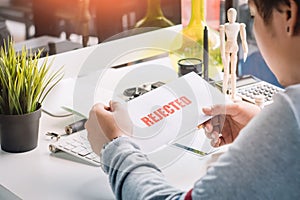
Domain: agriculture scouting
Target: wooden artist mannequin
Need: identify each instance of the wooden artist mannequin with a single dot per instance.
(229, 49)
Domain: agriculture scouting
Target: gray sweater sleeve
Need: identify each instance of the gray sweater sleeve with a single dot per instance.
(261, 164)
(132, 176)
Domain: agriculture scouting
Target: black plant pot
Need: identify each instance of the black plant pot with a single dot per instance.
(19, 133)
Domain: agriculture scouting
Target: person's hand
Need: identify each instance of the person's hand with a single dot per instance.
(95, 136)
(106, 123)
(227, 121)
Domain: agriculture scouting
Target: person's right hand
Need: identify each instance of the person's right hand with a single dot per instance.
(227, 121)
(106, 123)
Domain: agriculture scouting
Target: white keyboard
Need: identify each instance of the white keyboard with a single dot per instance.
(77, 145)
(248, 92)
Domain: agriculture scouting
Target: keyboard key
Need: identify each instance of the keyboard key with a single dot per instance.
(91, 156)
(69, 147)
(84, 152)
(78, 149)
(78, 146)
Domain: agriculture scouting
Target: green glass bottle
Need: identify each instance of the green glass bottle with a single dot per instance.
(154, 16)
(192, 38)
(195, 27)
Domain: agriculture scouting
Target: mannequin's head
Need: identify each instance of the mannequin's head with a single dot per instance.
(231, 15)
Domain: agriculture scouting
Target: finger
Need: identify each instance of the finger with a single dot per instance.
(114, 105)
(208, 127)
(228, 109)
(107, 108)
(92, 112)
(219, 109)
(100, 110)
(213, 136)
(215, 121)
(214, 110)
(218, 142)
(86, 124)
(89, 137)
(215, 143)
(212, 128)
(98, 106)
(222, 141)
(110, 105)
(217, 129)
(207, 111)
(208, 135)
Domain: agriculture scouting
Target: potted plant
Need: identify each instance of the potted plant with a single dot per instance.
(24, 84)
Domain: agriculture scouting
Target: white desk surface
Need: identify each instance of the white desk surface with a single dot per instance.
(38, 174)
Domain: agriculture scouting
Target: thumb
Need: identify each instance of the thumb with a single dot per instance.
(220, 109)
(99, 109)
(122, 117)
(114, 105)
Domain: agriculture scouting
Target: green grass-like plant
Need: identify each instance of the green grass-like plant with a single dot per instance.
(24, 83)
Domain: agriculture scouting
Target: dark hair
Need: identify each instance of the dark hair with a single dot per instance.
(265, 8)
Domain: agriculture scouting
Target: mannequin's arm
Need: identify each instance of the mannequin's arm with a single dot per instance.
(244, 40)
(222, 42)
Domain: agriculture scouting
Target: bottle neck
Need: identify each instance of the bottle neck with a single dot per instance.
(154, 8)
(197, 12)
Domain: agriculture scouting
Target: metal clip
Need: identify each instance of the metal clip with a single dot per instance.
(53, 135)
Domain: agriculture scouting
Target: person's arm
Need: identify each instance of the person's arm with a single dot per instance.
(132, 175)
(262, 163)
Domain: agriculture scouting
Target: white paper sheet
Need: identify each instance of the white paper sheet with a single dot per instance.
(172, 111)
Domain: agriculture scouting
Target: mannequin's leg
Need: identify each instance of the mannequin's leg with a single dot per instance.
(226, 73)
(233, 74)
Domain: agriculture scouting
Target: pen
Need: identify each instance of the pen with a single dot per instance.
(205, 54)
(196, 151)
(75, 127)
(200, 126)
